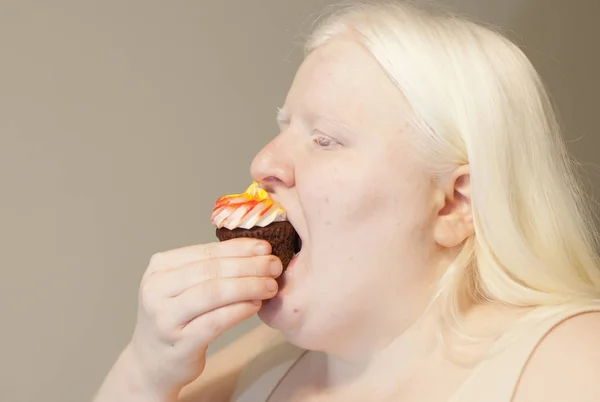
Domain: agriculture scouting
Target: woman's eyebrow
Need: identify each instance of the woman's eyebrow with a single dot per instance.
(284, 118)
(334, 121)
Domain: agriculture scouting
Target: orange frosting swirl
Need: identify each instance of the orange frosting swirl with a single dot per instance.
(249, 209)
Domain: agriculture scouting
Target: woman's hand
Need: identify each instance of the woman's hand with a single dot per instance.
(188, 297)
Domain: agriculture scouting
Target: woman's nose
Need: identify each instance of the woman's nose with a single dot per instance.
(272, 167)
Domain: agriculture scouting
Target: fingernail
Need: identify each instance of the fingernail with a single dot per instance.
(271, 285)
(262, 249)
(275, 267)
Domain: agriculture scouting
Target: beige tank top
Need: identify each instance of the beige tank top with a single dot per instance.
(493, 380)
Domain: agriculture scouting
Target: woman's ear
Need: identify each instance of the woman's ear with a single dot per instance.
(454, 220)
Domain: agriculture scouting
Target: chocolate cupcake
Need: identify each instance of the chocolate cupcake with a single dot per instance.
(254, 214)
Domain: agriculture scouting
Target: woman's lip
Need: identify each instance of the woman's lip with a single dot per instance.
(284, 277)
(290, 265)
(294, 258)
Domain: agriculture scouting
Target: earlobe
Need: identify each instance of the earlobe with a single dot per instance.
(454, 221)
(453, 231)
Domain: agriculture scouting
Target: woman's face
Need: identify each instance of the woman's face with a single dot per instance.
(343, 168)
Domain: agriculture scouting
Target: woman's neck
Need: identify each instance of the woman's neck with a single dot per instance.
(396, 354)
(416, 349)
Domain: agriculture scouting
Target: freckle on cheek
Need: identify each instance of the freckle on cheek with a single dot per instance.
(296, 310)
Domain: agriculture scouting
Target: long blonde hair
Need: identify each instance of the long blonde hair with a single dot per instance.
(476, 99)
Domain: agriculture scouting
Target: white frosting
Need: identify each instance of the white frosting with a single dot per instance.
(247, 210)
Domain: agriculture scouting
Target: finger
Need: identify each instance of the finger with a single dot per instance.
(238, 247)
(173, 282)
(216, 293)
(208, 327)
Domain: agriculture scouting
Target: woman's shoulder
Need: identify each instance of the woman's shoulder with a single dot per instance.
(565, 365)
(235, 366)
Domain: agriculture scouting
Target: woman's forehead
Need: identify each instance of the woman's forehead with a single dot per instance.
(343, 81)
(339, 66)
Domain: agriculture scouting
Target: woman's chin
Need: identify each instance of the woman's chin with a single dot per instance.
(283, 311)
(277, 315)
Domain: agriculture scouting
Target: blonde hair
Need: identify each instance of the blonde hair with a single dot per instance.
(476, 99)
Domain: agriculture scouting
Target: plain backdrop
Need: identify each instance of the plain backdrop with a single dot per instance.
(122, 121)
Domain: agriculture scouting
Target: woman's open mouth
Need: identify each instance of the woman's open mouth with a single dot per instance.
(297, 245)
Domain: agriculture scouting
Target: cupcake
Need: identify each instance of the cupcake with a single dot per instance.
(254, 214)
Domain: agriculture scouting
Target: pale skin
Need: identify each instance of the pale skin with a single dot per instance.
(188, 298)
(377, 233)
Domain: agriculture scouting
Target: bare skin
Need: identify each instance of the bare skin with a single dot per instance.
(377, 234)
(188, 298)
(572, 344)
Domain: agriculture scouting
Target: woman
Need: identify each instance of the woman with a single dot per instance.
(447, 252)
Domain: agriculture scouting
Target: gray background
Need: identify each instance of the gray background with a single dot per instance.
(121, 122)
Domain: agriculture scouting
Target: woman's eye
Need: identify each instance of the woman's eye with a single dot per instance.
(324, 141)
